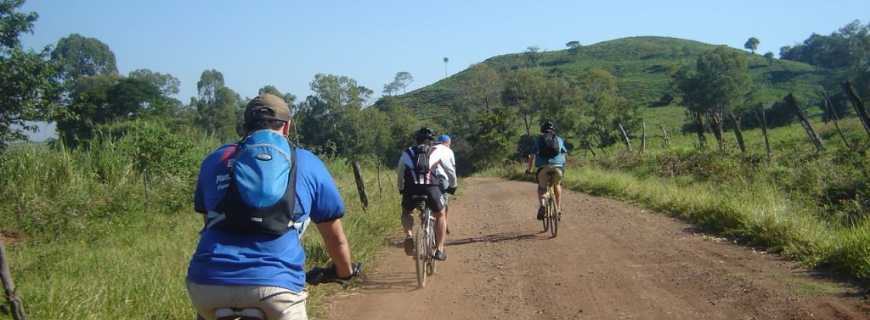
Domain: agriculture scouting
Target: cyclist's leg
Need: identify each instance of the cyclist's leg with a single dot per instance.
(407, 208)
(543, 184)
(557, 186)
(438, 210)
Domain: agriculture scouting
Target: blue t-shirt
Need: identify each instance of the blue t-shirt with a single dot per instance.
(557, 161)
(225, 258)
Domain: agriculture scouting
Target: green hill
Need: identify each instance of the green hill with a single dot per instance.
(641, 65)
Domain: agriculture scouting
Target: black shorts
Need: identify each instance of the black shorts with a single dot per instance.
(432, 193)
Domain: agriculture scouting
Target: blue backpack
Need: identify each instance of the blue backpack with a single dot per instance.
(256, 200)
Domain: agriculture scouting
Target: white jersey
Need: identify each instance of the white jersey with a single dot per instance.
(442, 165)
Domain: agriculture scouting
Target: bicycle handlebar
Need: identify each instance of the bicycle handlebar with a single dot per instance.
(318, 275)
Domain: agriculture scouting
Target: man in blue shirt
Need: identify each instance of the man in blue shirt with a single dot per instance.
(255, 270)
(549, 157)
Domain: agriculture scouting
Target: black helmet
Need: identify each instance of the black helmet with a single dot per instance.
(548, 126)
(424, 135)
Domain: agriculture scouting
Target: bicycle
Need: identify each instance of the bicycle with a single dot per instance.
(424, 242)
(315, 276)
(552, 214)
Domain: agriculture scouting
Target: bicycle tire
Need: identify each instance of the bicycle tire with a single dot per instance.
(430, 231)
(420, 254)
(552, 214)
(545, 221)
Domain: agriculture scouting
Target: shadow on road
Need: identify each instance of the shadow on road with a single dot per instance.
(390, 282)
(498, 237)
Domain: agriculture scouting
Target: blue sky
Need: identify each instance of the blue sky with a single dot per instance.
(285, 43)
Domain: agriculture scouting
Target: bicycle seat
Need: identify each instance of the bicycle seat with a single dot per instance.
(239, 314)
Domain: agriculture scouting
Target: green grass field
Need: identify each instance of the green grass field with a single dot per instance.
(88, 245)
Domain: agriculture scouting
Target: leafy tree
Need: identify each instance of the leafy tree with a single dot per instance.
(401, 82)
(770, 57)
(605, 108)
(482, 87)
(26, 78)
(166, 83)
(493, 140)
(719, 83)
(573, 46)
(331, 118)
(523, 90)
(533, 54)
(849, 47)
(218, 107)
(752, 44)
(79, 56)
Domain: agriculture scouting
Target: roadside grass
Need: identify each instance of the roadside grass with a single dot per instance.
(807, 206)
(90, 243)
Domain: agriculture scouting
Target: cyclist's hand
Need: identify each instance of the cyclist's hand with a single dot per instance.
(318, 275)
(451, 190)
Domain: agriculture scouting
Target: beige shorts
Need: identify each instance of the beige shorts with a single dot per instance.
(277, 303)
(548, 176)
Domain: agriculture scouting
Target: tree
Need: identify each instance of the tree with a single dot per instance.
(79, 56)
(533, 55)
(481, 89)
(217, 106)
(331, 118)
(719, 83)
(523, 91)
(752, 44)
(166, 83)
(573, 46)
(400, 82)
(605, 108)
(27, 84)
(770, 57)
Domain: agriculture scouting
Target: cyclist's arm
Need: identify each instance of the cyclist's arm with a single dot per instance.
(449, 165)
(336, 246)
(530, 162)
(400, 172)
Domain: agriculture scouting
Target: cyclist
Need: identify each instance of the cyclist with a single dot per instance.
(236, 263)
(418, 174)
(444, 141)
(548, 156)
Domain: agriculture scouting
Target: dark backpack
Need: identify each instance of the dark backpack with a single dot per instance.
(420, 157)
(252, 203)
(549, 145)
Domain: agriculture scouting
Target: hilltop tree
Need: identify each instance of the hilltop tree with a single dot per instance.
(752, 44)
(331, 118)
(770, 57)
(573, 46)
(26, 77)
(79, 56)
(400, 82)
(533, 55)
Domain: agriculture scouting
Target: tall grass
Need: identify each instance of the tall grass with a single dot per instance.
(92, 242)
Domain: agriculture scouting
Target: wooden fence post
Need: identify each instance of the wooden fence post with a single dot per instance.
(836, 118)
(858, 104)
(642, 136)
(625, 137)
(763, 119)
(9, 286)
(360, 185)
(737, 132)
(811, 133)
(666, 136)
(380, 189)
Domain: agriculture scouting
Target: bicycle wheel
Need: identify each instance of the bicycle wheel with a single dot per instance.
(553, 214)
(430, 232)
(420, 252)
(545, 220)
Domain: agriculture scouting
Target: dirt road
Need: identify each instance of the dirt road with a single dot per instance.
(611, 260)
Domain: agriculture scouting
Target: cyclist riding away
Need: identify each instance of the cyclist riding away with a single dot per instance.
(444, 141)
(258, 196)
(548, 156)
(420, 171)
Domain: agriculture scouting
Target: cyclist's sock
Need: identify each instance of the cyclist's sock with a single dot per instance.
(440, 255)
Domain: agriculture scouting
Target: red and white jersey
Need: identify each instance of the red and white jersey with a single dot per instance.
(442, 165)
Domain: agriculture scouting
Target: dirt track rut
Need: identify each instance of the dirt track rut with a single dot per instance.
(611, 260)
